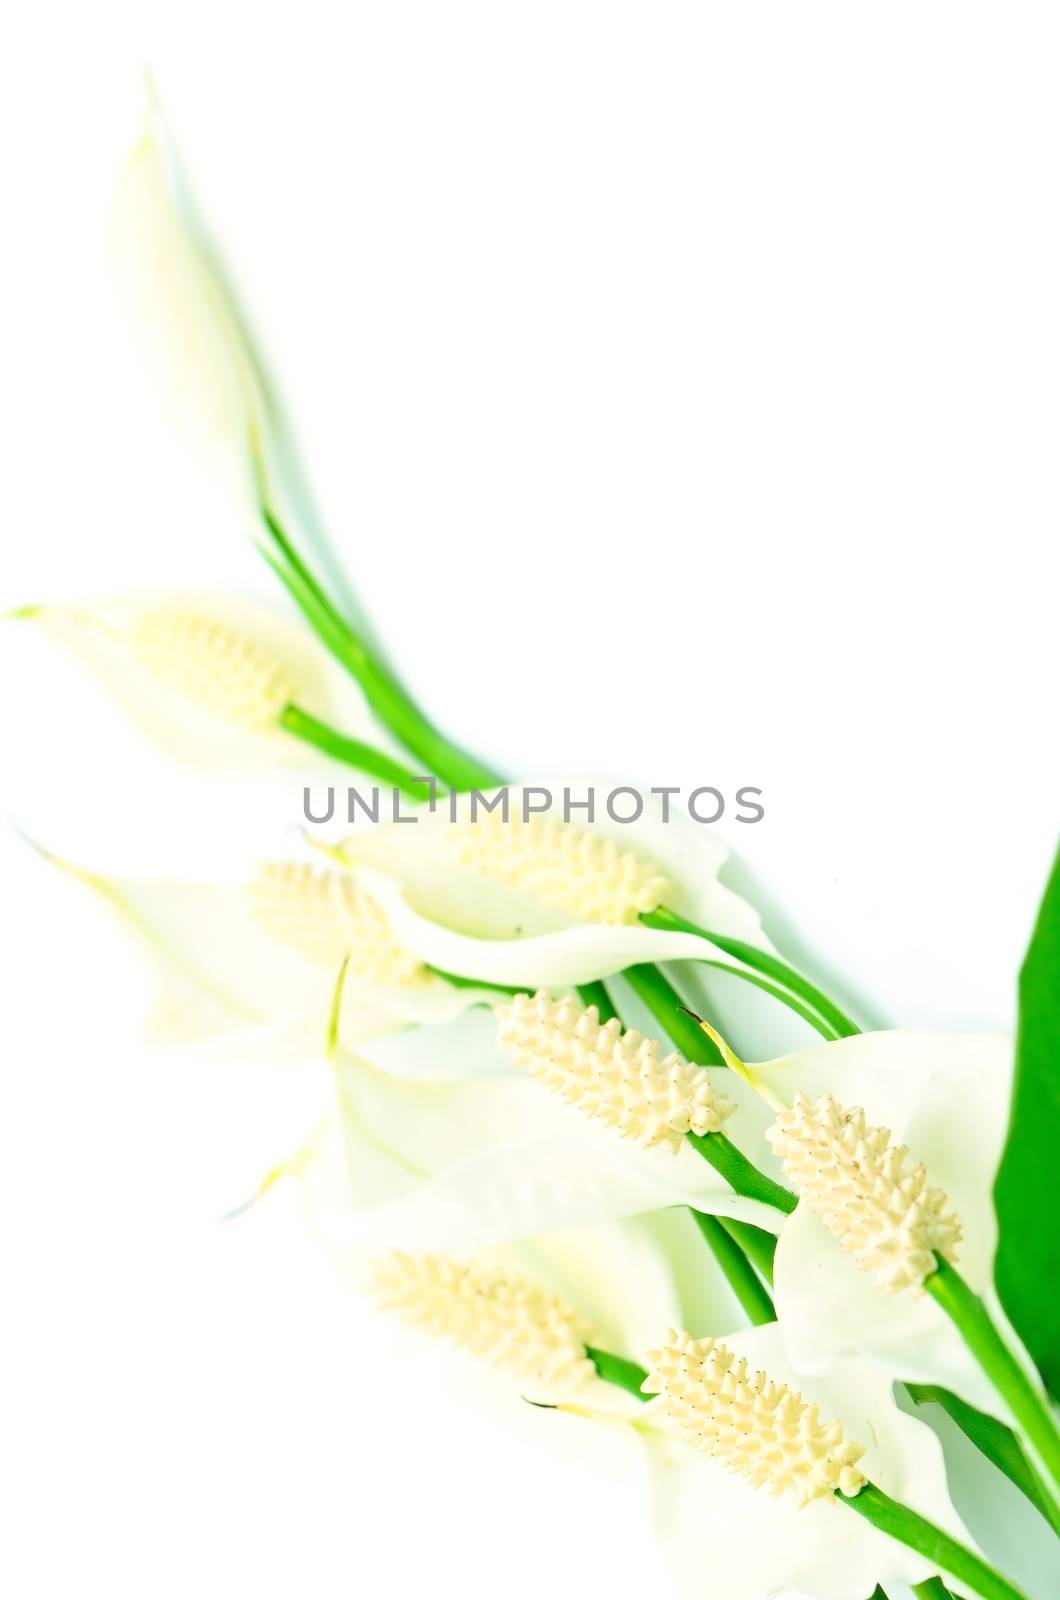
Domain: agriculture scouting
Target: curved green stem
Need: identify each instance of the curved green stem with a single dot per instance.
(386, 695)
(787, 978)
(739, 1273)
(664, 1003)
(351, 752)
(943, 1551)
(975, 1326)
(806, 1012)
(595, 994)
(667, 1007)
(739, 1173)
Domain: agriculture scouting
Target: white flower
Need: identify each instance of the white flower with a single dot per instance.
(884, 1212)
(725, 1536)
(549, 904)
(946, 1097)
(207, 678)
(269, 950)
(424, 1163)
(183, 319)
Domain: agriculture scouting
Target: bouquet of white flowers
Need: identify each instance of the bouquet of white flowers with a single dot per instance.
(869, 1205)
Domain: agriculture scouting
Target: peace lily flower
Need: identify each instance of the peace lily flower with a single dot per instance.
(548, 903)
(875, 1229)
(267, 950)
(749, 1444)
(457, 1162)
(183, 319)
(217, 681)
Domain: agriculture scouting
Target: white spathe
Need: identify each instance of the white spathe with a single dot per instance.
(459, 1163)
(462, 921)
(205, 676)
(723, 1537)
(184, 323)
(217, 969)
(947, 1097)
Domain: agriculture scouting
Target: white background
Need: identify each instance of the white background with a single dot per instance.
(678, 386)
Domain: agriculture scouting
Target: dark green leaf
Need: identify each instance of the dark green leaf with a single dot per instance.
(1026, 1188)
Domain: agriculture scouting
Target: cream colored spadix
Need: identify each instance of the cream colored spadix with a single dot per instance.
(885, 1214)
(568, 868)
(617, 1076)
(219, 669)
(759, 1430)
(327, 918)
(492, 1312)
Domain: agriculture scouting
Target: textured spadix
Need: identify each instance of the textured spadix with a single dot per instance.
(887, 1215)
(327, 918)
(759, 1430)
(219, 669)
(614, 1075)
(492, 1312)
(569, 868)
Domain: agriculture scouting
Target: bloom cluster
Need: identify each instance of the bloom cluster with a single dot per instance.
(510, 1225)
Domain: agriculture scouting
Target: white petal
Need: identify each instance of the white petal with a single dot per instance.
(461, 1164)
(568, 956)
(723, 1537)
(183, 320)
(217, 970)
(113, 640)
(946, 1097)
(463, 923)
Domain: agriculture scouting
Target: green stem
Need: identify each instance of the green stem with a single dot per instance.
(667, 1007)
(993, 1440)
(617, 1370)
(728, 1253)
(761, 961)
(595, 994)
(758, 1245)
(973, 1322)
(664, 1003)
(739, 1273)
(351, 752)
(739, 1173)
(932, 1589)
(804, 1011)
(297, 567)
(944, 1552)
(386, 695)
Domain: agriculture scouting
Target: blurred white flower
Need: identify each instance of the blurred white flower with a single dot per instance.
(207, 678)
(549, 904)
(457, 1163)
(183, 320)
(269, 950)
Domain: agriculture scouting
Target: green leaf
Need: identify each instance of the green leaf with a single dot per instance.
(1025, 1192)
